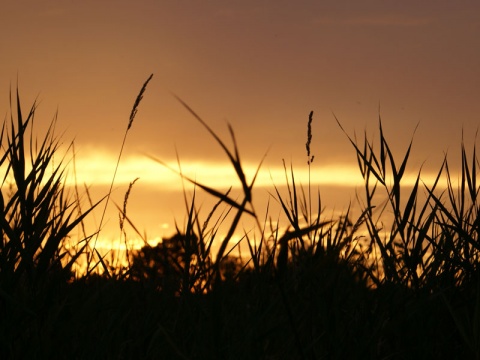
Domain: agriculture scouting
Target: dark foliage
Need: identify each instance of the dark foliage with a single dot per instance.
(321, 289)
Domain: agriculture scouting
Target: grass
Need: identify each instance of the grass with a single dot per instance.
(316, 287)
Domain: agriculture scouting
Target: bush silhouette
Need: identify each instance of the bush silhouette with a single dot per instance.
(161, 266)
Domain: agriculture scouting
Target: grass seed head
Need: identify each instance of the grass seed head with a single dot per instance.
(309, 138)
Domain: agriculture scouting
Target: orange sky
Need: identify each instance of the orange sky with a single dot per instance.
(260, 65)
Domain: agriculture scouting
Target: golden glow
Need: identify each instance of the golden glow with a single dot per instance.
(97, 169)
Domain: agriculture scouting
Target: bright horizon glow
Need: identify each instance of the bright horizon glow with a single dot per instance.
(97, 170)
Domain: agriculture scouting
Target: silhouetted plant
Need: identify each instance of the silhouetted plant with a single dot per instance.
(37, 214)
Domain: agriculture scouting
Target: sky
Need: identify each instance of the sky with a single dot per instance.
(260, 66)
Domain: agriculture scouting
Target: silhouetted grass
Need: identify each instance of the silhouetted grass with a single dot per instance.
(365, 287)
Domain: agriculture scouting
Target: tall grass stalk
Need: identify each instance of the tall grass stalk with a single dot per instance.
(129, 125)
(310, 159)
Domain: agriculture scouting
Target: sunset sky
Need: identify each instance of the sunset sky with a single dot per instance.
(261, 66)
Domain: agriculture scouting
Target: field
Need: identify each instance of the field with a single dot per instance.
(368, 287)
